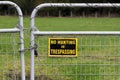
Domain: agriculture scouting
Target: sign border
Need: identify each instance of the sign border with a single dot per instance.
(63, 55)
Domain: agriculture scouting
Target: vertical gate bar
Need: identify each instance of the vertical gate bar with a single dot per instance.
(21, 34)
(22, 47)
(32, 49)
(118, 57)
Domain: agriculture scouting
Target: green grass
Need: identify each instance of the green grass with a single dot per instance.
(68, 24)
(95, 56)
(78, 24)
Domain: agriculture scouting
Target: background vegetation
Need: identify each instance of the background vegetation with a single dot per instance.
(28, 5)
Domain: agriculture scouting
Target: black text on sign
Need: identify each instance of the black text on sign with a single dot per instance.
(62, 47)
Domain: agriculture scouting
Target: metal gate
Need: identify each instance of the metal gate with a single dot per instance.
(11, 42)
(98, 51)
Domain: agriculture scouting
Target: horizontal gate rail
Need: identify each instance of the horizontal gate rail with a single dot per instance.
(73, 5)
(33, 32)
(15, 30)
(77, 32)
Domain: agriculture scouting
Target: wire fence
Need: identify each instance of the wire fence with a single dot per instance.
(98, 59)
(10, 68)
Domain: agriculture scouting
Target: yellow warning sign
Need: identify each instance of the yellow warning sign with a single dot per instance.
(62, 47)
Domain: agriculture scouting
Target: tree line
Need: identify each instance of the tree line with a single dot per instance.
(28, 5)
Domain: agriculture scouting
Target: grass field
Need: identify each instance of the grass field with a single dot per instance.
(98, 56)
(78, 24)
(68, 24)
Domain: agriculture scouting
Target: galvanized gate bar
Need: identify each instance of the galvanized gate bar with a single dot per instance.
(32, 24)
(73, 5)
(9, 30)
(77, 32)
(20, 30)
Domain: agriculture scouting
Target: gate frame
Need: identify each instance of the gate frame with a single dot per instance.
(17, 30)
(33, 32)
